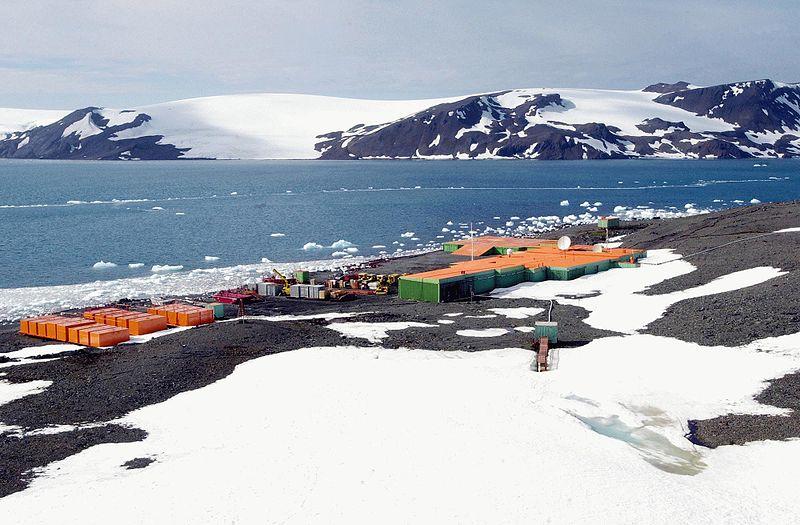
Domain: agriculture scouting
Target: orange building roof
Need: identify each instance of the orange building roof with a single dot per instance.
(481, 245)
(543, 254)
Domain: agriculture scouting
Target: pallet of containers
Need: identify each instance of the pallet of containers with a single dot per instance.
(307, 291)
(183, 314)
(137, 323)
(74, 330)
(268, 289)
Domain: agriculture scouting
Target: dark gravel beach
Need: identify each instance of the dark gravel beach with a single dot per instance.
(98, 386)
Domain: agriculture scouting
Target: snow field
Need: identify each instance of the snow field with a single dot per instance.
(418, 436)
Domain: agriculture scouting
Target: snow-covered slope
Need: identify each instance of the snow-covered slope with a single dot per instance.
(12, 120)
(748, 119)
(265, 126)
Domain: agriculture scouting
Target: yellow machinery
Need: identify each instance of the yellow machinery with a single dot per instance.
(286, 285)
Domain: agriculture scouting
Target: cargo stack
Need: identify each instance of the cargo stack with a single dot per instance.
(218, 309)
(137, 323)
(74, 330)
(183, 314)
(268, 289)
(307, 291)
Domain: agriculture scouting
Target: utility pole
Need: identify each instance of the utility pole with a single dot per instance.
(472, 241)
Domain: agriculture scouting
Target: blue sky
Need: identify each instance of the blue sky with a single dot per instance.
(65, 54)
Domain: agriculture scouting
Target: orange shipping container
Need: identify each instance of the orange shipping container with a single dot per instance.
(147, 325)
(122, 320)
(74, 332)
(84, 333)
(62, 331)
(108, 337)
(52, 325)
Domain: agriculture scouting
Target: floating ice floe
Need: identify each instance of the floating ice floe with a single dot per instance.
(407, 235)
(564, 203)
(755, 201)
(341, 244)
(136, 265)
(101, 265)
(156, 208)
(310, 246)
(161, 268)
(277, 234)
(211, 258)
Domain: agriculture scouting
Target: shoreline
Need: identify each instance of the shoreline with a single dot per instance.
(91, 390)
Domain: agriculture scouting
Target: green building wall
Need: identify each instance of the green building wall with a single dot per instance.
(431, 290)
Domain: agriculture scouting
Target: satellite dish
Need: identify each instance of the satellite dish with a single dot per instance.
(564, 243)
(597, 248)
(509, 252)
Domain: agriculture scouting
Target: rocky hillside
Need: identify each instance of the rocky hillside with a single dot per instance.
(758, 119)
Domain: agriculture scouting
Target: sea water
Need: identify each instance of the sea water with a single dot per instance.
(74, 222)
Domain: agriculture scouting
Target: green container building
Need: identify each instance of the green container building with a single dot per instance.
(456, 287)
(302, 276)
(219, 309)
(547, 329)
(610, 223)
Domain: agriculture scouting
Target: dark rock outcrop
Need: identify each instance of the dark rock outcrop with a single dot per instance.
(662, 87)
(483, 127)
(86, 135)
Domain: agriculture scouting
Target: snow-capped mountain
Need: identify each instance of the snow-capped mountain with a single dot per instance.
(747, 119)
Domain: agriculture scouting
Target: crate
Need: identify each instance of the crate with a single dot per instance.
(219, 308)
(268, 289)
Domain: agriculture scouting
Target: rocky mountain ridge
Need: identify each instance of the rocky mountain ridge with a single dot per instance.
(759, 119)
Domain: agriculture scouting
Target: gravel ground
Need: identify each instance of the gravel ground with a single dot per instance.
(97, 386)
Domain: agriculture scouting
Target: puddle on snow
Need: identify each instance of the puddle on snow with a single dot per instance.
(654, 447)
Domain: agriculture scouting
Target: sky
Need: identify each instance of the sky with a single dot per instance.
(74, 53)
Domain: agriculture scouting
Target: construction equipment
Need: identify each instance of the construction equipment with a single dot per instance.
(287, 285)
(234, 296)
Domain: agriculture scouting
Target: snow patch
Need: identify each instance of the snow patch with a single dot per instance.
(374, 332)
(485, 332)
